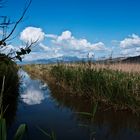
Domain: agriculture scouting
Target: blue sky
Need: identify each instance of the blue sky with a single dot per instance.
(110, 22)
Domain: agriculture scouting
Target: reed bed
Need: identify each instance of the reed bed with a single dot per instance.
(115, 85)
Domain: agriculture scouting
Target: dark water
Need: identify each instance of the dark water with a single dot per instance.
(39, 107)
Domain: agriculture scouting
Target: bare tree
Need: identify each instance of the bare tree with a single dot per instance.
(6, 23)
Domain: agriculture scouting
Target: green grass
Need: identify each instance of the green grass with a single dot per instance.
(18, 135)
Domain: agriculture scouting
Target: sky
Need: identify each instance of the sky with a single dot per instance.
(77, 27)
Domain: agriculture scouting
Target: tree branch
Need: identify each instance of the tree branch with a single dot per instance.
(20, 19)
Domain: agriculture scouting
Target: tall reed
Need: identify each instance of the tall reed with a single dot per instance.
(103, 84)
(3, 130)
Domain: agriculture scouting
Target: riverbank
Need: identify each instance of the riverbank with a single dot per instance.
(115, 86)
(9, 72)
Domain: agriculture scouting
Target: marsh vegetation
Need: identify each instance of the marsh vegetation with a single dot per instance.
(9, 70)
(115, 86)
(83, 97)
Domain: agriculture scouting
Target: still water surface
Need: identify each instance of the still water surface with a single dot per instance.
(39, 107)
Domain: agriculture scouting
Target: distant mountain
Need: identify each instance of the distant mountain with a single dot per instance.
(55, 60)
(134, 59)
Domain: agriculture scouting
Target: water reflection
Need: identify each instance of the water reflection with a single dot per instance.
(32, 91)
(10, 102)
(56, 111)
(107, 124)
(32, 96)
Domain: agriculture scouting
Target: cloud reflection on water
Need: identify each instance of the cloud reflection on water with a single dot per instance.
(33, 91)
(33, 96)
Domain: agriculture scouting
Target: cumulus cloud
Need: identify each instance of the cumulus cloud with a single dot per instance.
(130, 52)
(64, 44)
(66, 35)
(68, 42)
(130, 46)
(131, 42)
(32, 34)
(51, 36)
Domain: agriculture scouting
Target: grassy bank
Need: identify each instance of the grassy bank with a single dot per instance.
(116, 86)
(9, 70)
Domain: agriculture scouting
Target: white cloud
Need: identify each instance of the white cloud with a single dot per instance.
(130, 52)
(138, 49)
(64, 44)
(130, 46)
(8, 49)
(127, 52)
(31, 34)
(130, 42)
(68, 42)
(66, 35)
(68, 45)
(41, 55)
(51, 36)
(44, 47)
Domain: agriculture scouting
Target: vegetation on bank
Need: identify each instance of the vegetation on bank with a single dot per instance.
(3, 130)
(9, 70)
(115, 88)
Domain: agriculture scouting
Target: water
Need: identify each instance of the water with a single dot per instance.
(38, 107)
